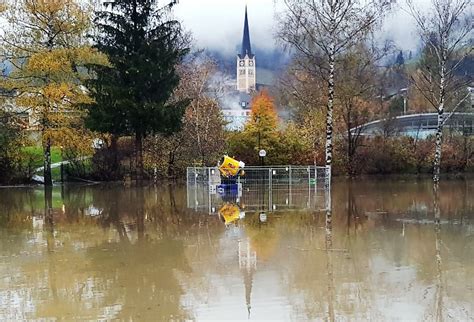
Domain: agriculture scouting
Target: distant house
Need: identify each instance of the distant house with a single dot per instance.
(20, 116)
(26, 117)
(236, 118)
(471, 91)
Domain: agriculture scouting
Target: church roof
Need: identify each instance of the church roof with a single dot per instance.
(246, 48)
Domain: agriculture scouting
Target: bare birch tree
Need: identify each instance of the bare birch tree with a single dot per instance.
(357, 102)
(445, 30)
(319, 31)
(203, 120)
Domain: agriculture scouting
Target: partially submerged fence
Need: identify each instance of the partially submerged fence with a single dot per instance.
(273, 177)
(260, 188)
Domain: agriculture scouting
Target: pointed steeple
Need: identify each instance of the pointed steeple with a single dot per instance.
(246, 48)
(248, 281)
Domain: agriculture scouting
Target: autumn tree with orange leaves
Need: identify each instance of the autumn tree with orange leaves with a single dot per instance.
(260, 132)
(263, 115)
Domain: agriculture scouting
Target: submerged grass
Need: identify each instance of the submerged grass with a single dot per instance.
(36, 153)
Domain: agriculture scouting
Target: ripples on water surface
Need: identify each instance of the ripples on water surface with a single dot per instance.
(108, 252)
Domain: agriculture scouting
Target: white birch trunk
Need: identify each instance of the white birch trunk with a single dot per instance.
(329, 120)
(439, 129)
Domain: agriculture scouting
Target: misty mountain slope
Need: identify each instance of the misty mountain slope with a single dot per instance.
(271, 60)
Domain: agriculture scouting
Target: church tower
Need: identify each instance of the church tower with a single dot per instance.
(246, 76)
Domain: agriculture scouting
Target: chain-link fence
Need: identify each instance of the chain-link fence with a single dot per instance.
(260, 188)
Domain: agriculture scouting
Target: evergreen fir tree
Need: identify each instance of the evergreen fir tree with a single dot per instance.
(400, 59)
(144, 47)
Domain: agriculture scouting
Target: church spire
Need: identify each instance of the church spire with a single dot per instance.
(246, 49)
(246, 71)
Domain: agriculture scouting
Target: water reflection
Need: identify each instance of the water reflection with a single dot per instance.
(258, 197)
(371, 251)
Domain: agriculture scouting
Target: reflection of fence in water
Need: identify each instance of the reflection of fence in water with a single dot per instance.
(262, 188)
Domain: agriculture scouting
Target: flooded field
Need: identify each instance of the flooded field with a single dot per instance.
(172, 253)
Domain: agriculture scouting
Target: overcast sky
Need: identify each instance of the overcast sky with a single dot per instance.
(217, 24)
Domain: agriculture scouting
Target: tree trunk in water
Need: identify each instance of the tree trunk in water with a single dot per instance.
(465, 158)
(48, 216)
(48, 180)
(329, 263)
(438, 242)
(139, 156)
(48, 206)
(171, 165)
(140, 214)
(349, 153)
(114, 149)
(50, 240)
(329, 120)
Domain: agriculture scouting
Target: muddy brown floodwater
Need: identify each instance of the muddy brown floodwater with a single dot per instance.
(165, 253)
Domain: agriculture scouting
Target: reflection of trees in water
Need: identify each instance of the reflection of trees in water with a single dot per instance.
(141, 278)
(352, 210)
(50, 241)
(89, 270)
(17, 207)
(352, 272)
(262, 236)
(140, 271)
(407, 198)
(437, 231)
(96, 262)
(329, 261)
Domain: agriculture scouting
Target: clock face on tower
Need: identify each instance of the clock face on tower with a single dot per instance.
(241, 63)
(251, 63)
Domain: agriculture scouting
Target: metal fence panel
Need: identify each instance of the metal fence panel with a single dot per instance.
(261, 188)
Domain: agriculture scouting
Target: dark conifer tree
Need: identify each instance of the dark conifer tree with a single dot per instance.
(132, 96)
(400, 59)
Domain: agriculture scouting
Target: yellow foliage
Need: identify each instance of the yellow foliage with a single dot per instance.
(87, 55)
(49, 63)
(312, 130)
(77, 139)
(57, 93)
(45, 41)
(3, 6)
(64, 15)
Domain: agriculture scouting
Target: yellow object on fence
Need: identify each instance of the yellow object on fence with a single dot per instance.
(230, 167)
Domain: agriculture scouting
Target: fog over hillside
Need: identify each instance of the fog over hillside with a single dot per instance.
(216, 26)
(272, 59)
